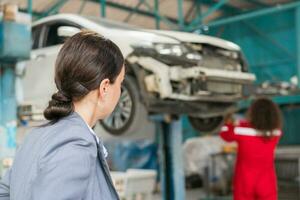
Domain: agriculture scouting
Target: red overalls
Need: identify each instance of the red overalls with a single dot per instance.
(254, 177)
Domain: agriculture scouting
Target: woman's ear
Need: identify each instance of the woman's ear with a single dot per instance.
(104, 88)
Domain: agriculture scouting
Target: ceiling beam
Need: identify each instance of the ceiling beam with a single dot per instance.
(54, 8)
(133, 9)
(258, 3)
(226, 8)
(253, 14)
(35, 14)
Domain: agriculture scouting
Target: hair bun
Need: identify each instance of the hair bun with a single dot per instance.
(61, 96)
(60, 105)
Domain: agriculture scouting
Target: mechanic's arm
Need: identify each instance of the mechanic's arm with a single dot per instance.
(227, 131)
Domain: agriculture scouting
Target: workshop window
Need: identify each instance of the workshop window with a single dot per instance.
(52, 37)
(36, 34)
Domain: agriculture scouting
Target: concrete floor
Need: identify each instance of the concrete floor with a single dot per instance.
(194, 194)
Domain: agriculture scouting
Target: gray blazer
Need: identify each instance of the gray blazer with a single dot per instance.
(62, 161)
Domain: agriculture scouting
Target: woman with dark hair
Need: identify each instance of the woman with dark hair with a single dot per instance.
(64, 159)
(257, 138)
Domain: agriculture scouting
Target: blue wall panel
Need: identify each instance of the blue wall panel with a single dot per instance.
(268, 42)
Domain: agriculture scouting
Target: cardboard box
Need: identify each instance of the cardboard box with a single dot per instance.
(10, 12)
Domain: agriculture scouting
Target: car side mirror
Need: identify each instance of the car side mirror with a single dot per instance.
(67, 31)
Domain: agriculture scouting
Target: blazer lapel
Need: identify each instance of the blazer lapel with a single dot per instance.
(101, 157)
(105, 168)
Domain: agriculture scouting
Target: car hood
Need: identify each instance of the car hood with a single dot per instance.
(126, 38)
(203, 39)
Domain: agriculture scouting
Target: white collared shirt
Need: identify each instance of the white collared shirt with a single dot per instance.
(104, 149)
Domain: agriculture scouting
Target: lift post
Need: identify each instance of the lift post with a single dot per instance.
(15, 45)
(172, 177)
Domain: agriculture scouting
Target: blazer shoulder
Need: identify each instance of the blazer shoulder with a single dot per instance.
(66, 133)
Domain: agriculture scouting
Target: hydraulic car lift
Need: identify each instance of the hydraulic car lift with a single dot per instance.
(15, 45)
(170, 157)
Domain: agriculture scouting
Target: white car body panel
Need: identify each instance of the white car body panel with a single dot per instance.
(141, 35)
(116, 35)
(203, 39)
(41, 75)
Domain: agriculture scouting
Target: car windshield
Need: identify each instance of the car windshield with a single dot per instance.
(111, 24)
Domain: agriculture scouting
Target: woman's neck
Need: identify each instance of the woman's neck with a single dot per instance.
(86, 111)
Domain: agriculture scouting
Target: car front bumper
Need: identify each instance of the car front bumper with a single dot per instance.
(220, 85)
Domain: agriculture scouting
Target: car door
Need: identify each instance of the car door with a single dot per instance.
(38, 79)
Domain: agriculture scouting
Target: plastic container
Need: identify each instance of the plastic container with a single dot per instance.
(135, 184)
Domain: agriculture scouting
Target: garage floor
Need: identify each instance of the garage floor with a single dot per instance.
(194, 194)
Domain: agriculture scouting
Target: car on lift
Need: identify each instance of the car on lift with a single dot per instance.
(168, 72)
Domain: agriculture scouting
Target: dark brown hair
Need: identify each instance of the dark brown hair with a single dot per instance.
(82, 63)
(264, 115)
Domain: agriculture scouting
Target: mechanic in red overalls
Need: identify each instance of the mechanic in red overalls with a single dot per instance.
(257, 137)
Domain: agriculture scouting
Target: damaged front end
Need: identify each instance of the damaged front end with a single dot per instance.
(201, 81)
(202, 74)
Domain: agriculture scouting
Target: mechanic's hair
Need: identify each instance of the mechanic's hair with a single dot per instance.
(265, 116)
(82, 63)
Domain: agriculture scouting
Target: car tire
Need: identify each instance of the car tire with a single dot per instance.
(129, 112)
(207, 125)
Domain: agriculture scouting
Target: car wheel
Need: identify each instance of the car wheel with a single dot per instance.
(126, 117)
(207, 125)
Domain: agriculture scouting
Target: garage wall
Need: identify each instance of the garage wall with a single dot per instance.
(268, 42)
(291, 115)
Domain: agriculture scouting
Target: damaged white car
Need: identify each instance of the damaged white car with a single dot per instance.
(169, 72)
